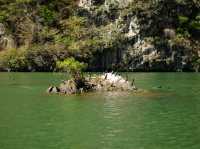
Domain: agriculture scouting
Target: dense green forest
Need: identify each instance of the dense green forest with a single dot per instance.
(122, 35)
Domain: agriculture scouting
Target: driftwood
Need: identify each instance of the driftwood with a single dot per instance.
(105, 82)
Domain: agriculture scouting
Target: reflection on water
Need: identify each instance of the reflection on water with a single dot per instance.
(112, 112)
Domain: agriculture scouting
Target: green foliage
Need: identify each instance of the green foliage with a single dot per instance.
(42, 57)
(198, 61)
(183, 19)
(13, 59)
(76, 36)
(61, 39)
(23, 1)
(71, 65)
(3, 16)
(195, 25)
(188, 26)
(182, 32)
(47, 34)
(197, 17)
(36, 58)
(74, 26)
(183, 2)
(74, 29)
(48, 15)
(188, 2)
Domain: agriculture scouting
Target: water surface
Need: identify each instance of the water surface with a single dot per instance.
(165, 116)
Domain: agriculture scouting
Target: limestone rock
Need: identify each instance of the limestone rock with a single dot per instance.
(105, 82)
(6, 41)
(169, 33)
(2, 29)
(134, 28)
(85, 4)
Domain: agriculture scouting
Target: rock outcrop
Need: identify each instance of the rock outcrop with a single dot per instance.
(105, 82)
(118, 35)
(2, 29)
(143, 35)
(6, 41)
(85, 4)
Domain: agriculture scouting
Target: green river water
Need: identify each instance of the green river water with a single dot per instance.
(166, 115)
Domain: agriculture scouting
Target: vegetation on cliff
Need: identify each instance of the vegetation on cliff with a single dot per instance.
(131, 35)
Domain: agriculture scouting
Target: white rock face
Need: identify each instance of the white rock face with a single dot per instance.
(2, 29)
(85, 4)
(148, 51)
(6, 41)
(134, 28)
(150, 57)
(143, 46)
(143, 49)
(169, 33)
(112, 78)
(115, 81)
(107, 4)
(117, 3)
(199, 53)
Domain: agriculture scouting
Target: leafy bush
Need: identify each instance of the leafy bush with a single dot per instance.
(36, 58)
(41, 58)
(13, 59)
(71, 65)
(44, 57)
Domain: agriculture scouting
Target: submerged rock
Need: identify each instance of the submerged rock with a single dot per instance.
(105, 82)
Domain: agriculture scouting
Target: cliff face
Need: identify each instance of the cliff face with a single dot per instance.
(126, 35)
(146, 36)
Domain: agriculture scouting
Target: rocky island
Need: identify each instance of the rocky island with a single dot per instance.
(105, 82)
